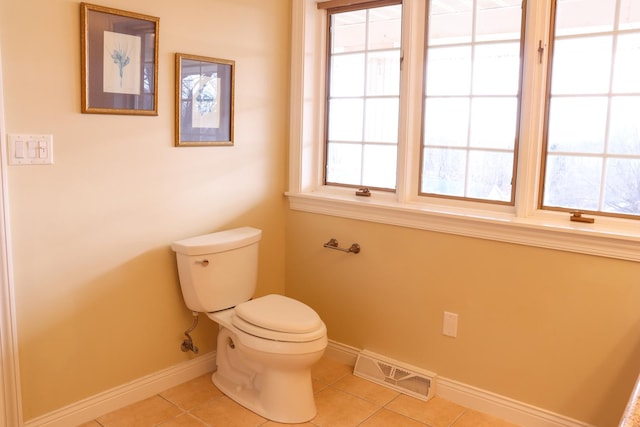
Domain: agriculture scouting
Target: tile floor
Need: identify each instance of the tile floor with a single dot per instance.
(343, 400)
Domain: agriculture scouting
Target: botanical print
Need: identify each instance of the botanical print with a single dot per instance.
(121, 63)
(206, 102)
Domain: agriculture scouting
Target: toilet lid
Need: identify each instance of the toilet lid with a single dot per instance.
(278, 317)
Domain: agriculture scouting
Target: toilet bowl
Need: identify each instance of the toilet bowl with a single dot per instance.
(268, 371)
(267, 345)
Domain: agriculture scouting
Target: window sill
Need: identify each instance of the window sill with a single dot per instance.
(619, 239)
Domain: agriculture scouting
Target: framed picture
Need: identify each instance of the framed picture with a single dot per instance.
(204, 101)
(119, 61)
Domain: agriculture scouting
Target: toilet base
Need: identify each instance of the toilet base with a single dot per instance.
(275, 408)
(279, 390)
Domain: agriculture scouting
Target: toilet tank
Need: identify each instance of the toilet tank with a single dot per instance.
(218, 270)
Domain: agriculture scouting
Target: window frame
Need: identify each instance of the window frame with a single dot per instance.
(514, 168)
(546, 153)
(524, 223)
(332, 8)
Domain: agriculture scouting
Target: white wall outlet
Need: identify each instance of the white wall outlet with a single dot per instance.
(450, 324)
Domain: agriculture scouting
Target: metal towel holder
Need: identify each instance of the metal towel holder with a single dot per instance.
(333, 244)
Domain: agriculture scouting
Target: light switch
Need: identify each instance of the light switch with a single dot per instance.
(19, 149)
(43, 149)
(32, 145)
(30, 149)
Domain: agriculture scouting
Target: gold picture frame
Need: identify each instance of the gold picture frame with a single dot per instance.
(204, 93)
(119, 61)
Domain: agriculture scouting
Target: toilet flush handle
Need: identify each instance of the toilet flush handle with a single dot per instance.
(204, 262)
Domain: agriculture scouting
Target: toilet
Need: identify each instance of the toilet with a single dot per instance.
(267, 345)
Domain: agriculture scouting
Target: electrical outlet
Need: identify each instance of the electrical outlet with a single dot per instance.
(450, 324)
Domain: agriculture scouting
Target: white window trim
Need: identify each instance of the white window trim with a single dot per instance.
(523, 224)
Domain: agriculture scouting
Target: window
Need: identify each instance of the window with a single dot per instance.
(496, 114)
(363, 95)
(593, 133)
(471, 105)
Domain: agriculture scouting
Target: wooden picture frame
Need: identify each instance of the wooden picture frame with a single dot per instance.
(204, 92)
(119, 61)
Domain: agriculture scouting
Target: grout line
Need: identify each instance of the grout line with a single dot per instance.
(370, 416)
(453, 423)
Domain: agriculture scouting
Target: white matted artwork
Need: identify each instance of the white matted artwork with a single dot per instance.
(204, 101)
(121, 63)
(206, 106)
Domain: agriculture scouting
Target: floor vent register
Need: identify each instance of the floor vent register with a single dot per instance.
(406, 379)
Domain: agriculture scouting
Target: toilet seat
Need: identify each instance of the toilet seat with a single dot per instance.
(278, 318)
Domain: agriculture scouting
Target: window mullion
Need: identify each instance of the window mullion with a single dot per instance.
(365, 74)
(411, 103)
(605, 163)
(532, 115)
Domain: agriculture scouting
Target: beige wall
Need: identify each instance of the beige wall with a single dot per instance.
(97, 295)
(98, 302)
(557, 330)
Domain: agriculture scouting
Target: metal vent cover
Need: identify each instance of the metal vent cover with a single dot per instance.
(393, 374)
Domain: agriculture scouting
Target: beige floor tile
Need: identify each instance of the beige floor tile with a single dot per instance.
(328, 371)
(192, 393)
(386, 418)
(477, 419)
(343, 400)
(339, 409)
(374, 393)
(436, 412)
(223, 411)
(148, 412)
(184, 420)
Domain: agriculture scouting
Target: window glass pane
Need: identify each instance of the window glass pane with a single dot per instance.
(449, 71)
(383, 73)
(363, 96)
(344, 163)
(450, 22)
(624, 130)
(496, 69)
(346, 75)
(381, 120)
(629, 14)
(385, 27)
(573, 182)
(493, 183)
(446, 122)
(581, 65)
(443, 171)
(345, 119)
(472, 95)
(379, 168)
(577, 124)
(622, 193)
(584, 16)
(498, 20)
(627, 64)
(593, 119)
(493, 122)
(348, 31)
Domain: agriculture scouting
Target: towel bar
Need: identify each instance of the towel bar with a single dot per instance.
(333, 244)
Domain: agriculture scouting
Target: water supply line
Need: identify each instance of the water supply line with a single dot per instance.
(187, 344)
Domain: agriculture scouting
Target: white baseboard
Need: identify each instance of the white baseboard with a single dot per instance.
(474, 398)
(118, 397)
(500, 406)
(342, 353)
